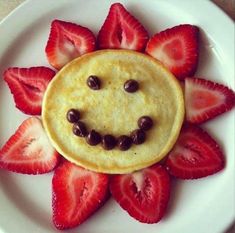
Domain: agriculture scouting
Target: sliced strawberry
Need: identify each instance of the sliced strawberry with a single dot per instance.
(29, 151)
(143, 194)
(177, 48)
(196, 154)
(28, 86)
(121, 30)
(205, 100)
(77, 194)
(68, 41)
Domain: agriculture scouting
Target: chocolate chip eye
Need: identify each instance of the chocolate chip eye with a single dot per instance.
(131, 86)
(93, 82)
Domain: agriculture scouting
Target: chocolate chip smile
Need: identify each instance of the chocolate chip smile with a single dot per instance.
(108, 141)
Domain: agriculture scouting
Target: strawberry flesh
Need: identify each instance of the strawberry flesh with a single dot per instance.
(195, 155)
(143, 194)
(177, 48)
(68, 41)
(205, 99)
(28, 86)
(77, 194)
(121, 30)
(29, 151)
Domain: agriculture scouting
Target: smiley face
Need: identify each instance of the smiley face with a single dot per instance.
(112, 110)
(109, 141)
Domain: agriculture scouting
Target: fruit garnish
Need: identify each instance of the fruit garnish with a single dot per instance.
(195, 155)
(143, 194)
(28, 86)
(121, 30)
(68, 41)
(205, 99)
(77, 194)
(29, 151)
(177, 48)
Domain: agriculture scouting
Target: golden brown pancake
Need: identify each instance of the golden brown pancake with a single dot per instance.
(112, 110)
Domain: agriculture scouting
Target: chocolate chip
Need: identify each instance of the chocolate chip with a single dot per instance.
(79, 129)
(138, 136)
(93, 82)
(108, 142)
(145, 123)
(131, 85)
(93, 138)
(124, 142)
(73, 115)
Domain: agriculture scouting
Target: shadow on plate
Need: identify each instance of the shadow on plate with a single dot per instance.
(176, 190)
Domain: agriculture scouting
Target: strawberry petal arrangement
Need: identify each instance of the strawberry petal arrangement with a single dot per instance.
(78, 192)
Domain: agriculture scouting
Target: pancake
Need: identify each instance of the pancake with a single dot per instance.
(112, 110)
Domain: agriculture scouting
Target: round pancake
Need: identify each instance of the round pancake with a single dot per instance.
(112, 110)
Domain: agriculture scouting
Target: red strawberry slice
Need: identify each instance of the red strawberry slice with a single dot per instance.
(143, 194)
(29, 151)
(77, 194)
(205, 100)
(68, 41)
(28, 86)
(177, 48)
(121, 30)
(196, 154)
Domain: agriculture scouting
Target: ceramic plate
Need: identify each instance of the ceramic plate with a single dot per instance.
(199, 206)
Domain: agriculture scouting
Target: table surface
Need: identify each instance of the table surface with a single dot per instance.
(6, 6)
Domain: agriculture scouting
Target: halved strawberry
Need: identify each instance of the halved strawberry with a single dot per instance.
(77, 194)
(29, 151)
(121, 30)
(68, 41)
(205, 99)
(196, 154)
(143, 194)
(28, 86)
(177, 48)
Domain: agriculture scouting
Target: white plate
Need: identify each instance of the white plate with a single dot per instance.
(200, 206)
